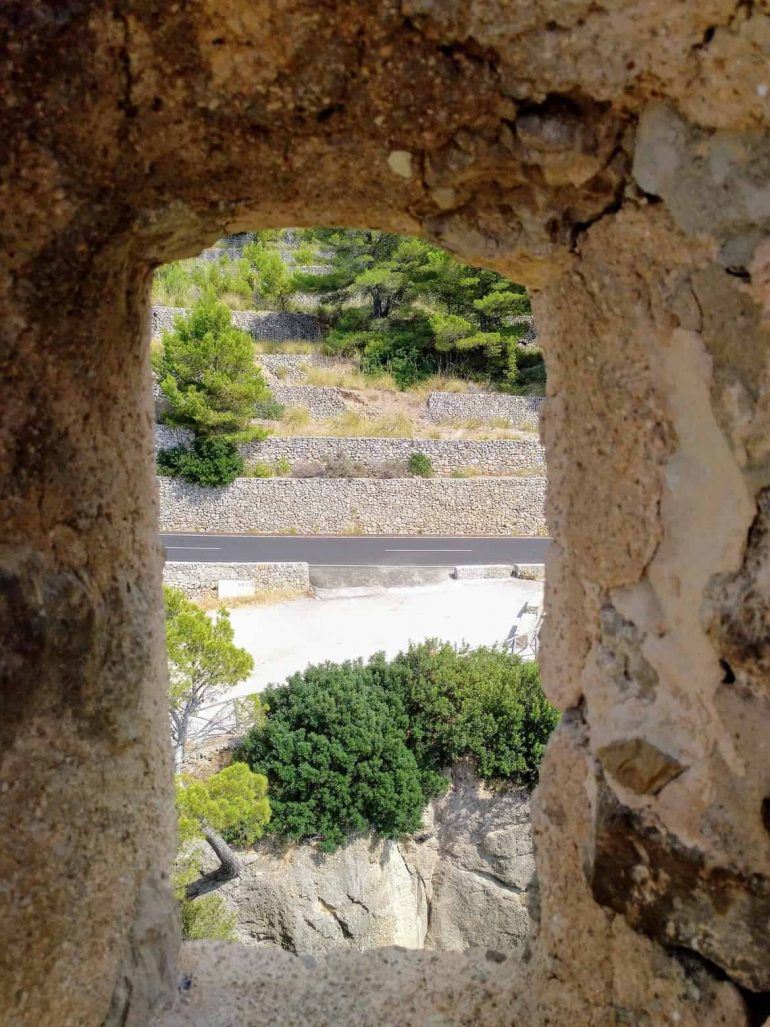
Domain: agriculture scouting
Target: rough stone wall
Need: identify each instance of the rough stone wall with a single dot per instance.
(448, 407)
(263, 325)
(611, 156)
(494, 457)
(497, 457)
(320, 401)
(168, 435)
(289, 368)
(200, 580)
(466, 880)
(411, 506)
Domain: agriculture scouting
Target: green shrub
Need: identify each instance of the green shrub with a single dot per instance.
(210, 462)
(353, 746)
(420, 465)
(267, 409)
(334, 751)
(260, 470)
(207, 372)
(485, 703)
(207, 917)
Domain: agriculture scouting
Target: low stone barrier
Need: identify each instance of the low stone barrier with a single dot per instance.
(290, 367)
(449, 407)
(398, 506)
(167, 436)
(264, 325)
(319, 401)
(446, 455)
(201, 581)
(475, 572)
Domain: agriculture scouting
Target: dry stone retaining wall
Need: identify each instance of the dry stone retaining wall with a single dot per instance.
(494, 457)
(413, 506)
(520, 411)
(290, 367)
(320, 401)
(200, 580)
(446, 455)
(167, 436)
(264, 325)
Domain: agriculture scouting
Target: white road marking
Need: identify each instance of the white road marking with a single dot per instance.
(217, 548)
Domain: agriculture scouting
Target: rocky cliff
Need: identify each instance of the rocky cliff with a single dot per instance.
(466, 881)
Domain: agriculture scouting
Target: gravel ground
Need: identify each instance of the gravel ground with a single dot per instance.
(289, 636)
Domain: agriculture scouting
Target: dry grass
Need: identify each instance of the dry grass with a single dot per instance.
(348, 376)
(294, 420)
(443, 383)
(266, 598)
(262, 346)
(352, 424)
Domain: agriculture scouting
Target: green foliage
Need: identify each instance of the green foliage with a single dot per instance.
(334, 750)
(268, 409)
(484, 703)
(233, 803)
(417, 311)
(426, 311)
(352, 746)
(207, 917)
(202, 660)
(210, 462)
(207, 372)
(421, 465)
(268, 273)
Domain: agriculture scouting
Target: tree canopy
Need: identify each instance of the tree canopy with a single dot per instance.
(353, 746)
(412, 309)
(229, 808)
(203, 661)
(207, 372)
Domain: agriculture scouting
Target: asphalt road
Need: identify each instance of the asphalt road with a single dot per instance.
(355, 550)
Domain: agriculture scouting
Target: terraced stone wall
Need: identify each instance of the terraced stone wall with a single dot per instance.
(263, 325)
(446, 455)
(319, 401)
(199, 580)
(411, 506)
(449, 407)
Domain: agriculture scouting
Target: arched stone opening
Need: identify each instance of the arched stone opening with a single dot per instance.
(639, 224)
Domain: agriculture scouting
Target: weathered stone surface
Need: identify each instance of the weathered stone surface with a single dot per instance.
(637, 765)
(368, 506)
(321, 402)
(446, 455)
(200, 580)
(465, 881)
(450, 407)
(673, 894)
(264, 325)
(138, 133)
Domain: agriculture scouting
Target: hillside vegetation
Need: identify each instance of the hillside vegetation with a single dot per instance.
(400, 306)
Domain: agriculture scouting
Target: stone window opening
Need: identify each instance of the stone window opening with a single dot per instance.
(156, 132)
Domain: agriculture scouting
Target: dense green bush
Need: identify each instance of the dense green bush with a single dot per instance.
(353, 746)
(334, 751)
(210, 462)
(485, 703)
(207, 372)
(421, 465)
